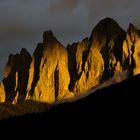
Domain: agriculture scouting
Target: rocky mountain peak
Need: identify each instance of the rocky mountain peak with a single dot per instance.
(49, 75)
(16, 75)
(106, 28)
(55, 72)
(133, 32)
(132, 28)
(48, 37)
(24, 52)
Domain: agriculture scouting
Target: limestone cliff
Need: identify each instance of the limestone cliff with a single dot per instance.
(49, 75)
(131, 50)
(2, 93)
(16, 76)
(108, 37)
(55, 73)
(96, 59)
(77, 57)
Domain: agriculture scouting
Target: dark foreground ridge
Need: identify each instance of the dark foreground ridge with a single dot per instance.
(112, 107)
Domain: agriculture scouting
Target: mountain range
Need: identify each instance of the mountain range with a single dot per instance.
(55, 73)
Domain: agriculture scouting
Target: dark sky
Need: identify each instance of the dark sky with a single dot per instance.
(22, 22)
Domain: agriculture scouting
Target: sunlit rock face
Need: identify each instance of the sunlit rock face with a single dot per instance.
(54, 72)
(2, 93)
(77, 58)
(49, 75)
(131, 50)
(96, 59)
(16, 76)
(137, 57)
(108, 37)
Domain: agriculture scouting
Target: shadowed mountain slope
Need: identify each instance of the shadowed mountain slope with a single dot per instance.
(55, 73)
(116, 107)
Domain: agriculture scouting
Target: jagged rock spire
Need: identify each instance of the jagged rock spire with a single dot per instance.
(55, 72)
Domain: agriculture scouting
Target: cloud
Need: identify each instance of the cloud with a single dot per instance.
(60, 6)
(123, 11)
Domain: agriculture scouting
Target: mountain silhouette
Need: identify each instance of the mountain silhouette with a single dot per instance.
(56, 73)
(114, 108)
